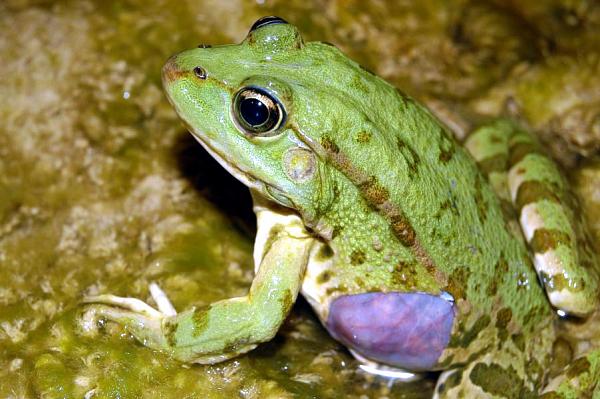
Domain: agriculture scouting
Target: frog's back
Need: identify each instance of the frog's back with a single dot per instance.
(404, 181)
(428, 222)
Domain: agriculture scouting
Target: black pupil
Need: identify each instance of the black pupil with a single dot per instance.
(254, 111)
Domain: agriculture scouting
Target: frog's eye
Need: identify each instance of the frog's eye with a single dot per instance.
(200, 72)
(264, 21)
(257, 112)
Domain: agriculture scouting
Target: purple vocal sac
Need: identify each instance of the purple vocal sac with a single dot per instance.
(406, 330)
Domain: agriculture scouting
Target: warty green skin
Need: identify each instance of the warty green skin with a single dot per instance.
(361, 190)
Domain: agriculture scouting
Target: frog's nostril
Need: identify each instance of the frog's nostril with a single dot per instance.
(204, 46)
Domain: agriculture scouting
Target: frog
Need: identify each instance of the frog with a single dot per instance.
(417, 252)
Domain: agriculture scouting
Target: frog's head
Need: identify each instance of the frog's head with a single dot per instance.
(239, 104)
(259, 107)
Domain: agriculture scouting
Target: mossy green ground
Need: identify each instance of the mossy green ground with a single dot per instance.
(102, 190)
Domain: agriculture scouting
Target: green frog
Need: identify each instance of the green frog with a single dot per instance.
(415, 252)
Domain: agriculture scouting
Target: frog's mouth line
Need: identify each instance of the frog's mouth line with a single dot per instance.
(236, 172)
(244, 177)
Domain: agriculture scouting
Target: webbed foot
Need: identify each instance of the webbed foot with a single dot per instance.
(142, 320)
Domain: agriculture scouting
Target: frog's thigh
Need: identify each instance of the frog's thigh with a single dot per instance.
(489, 145)
(486, 378)
(578, 380)
(539, 194)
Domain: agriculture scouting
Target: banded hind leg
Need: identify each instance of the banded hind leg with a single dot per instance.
(503, 374)
(488, 378)
(578, 380)
(523, 176)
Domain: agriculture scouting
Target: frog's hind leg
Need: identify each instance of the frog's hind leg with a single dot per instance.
(578, 380)
(523, 176)
(505, 375)
(500, 375)
(486, 378)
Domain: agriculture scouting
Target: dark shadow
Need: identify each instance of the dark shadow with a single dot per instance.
(214, 183)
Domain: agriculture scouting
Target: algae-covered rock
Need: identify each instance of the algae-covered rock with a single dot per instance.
(103, 191)
(559, 98)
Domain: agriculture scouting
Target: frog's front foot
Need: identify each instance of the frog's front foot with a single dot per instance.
(142, 320)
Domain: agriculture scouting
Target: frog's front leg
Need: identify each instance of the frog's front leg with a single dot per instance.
(560, 243)
(230, 327)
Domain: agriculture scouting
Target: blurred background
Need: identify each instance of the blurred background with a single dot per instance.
(102, 189)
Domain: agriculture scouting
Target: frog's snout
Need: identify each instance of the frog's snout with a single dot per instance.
(171, 70)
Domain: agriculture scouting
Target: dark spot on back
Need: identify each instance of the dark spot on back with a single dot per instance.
(357, 257)
(446, 147)
(500, 270)
(457, 282)
(410, 156)
(325, 253)
(446, 156)
(492, 288)
(448, 205)
(360, 283)
(503, 317)
(363, 137)
(502, 265)
(496, 380)
(533, 315)
(404, 275)
(480, 202)
(464, 340)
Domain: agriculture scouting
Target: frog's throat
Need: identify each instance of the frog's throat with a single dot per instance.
(236, 172)
(244, 177)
